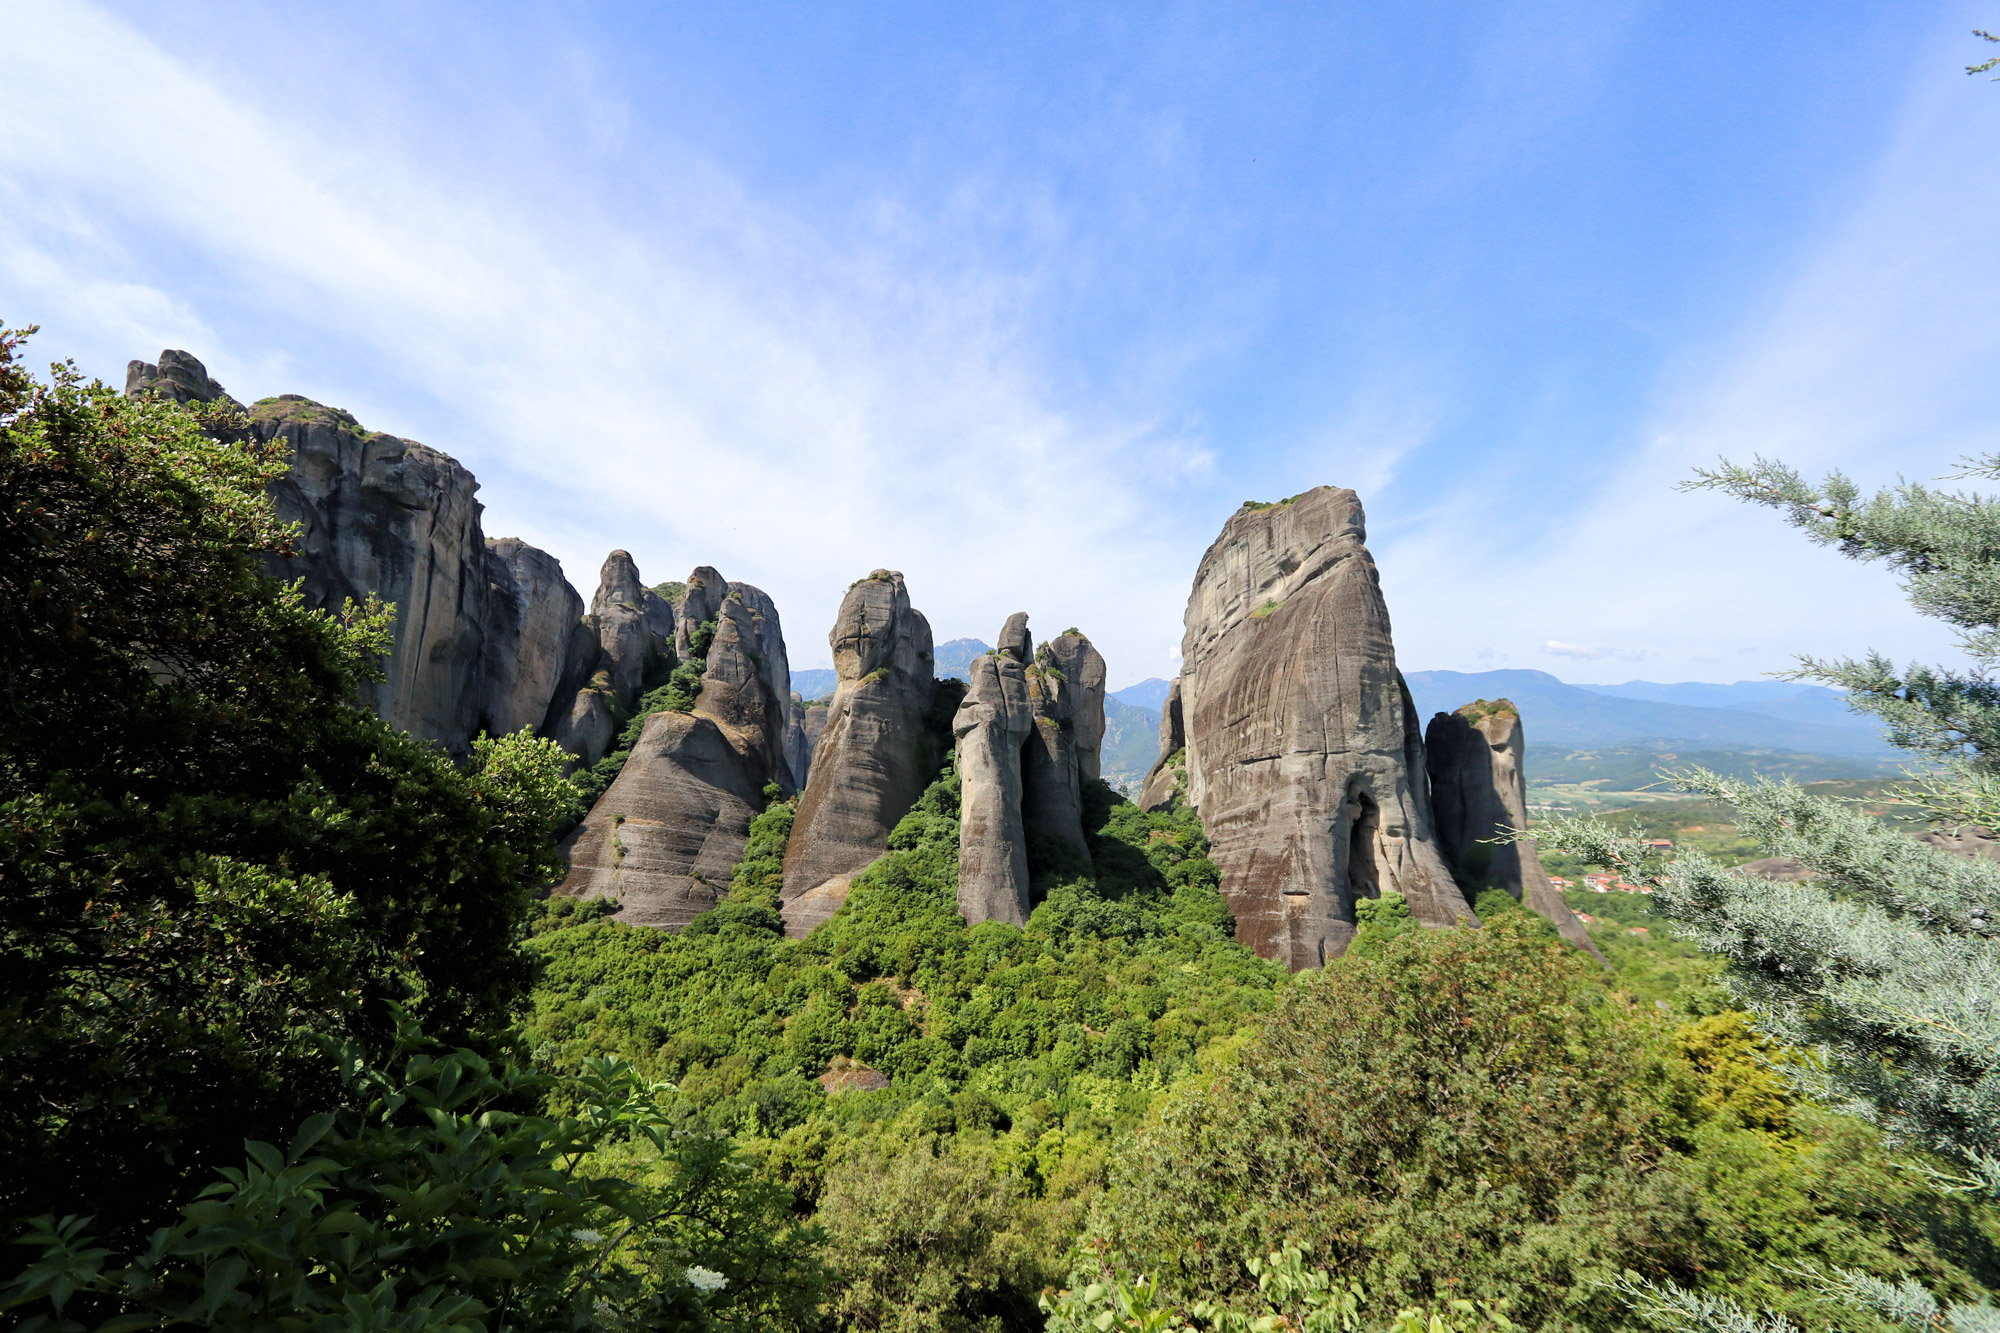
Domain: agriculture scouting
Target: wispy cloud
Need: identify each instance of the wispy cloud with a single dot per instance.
(726, 386)
(1585, 653)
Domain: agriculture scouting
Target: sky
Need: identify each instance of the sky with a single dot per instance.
(1024, 300)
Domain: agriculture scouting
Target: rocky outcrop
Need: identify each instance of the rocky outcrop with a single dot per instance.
(665, 836)
(993, 723)
(531, 613)
(799, 743)
(635, 627)
(1303, 751)
(666, 833)
(1028, 731)
(388, 516)
(177, 376)
(1479, 791)
(481, 639)
(876, 754)
(1165, 780)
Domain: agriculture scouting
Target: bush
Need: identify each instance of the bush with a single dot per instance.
(1459, 1115)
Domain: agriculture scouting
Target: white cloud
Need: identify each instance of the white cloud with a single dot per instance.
(1557, 648)
(723, 386)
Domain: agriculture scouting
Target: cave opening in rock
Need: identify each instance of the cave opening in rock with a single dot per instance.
(1363, 879)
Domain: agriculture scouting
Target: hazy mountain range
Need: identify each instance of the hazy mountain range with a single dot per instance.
(1791, 721)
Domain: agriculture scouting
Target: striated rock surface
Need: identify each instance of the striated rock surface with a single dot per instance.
(1479, 789)
(665, 835)
(799, 743)
(875, 755)
(993, 723)
(1165, 779)
(1303, 751)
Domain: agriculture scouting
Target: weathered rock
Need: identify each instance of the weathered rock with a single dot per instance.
(1051, 771)
(798, 744)
(531, 613)
(747, 685)
(634, 625)
(700, 603)
(1303, 752)
(1082, 668)
(481, 639)
(1479, 790)
(1165, 780)
(579, 717)
(388, 516)
(993, 722)
(178, 376)
(875, 756)
(665, 836)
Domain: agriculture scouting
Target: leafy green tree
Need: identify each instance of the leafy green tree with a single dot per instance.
(208, 854)
(426, 1201)
(1458, 1115)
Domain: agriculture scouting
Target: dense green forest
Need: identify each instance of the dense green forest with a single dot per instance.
(292, 1041)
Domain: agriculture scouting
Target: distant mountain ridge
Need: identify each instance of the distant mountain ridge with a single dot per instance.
(1150, 693)
(1556, 713)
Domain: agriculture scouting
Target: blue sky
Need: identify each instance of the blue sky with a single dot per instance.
(1024, 300)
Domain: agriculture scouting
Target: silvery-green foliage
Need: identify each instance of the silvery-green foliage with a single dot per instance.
(1885, 961)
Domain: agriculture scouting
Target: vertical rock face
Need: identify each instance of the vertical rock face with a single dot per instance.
(1082, 671)
(383, 515)
(993, 722)
(1028, 732)
(665, 835)
(531, 613)
(1479, 789)
(1164, 779)
(875, 755)
(1303, 752)
(799, 744)
(482, 638)
(634, 625)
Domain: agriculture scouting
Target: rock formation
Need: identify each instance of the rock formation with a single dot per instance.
(531, 613)
(1479, 789)
(875, 755)
(1028, 733)
(1165, 779)
(482, 634)
(1303, 751)
(993, 722)
(665, 835)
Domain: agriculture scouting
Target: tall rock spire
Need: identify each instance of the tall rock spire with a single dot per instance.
(1479, 789)
(1303, 751)
(874, 755)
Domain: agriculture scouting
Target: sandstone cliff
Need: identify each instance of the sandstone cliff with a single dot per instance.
(482, 633)
(663, 838)
(1479, 789)
(1303, 752)
(874, 756)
